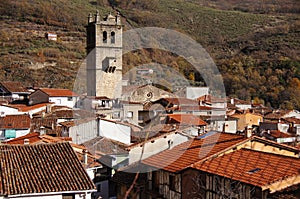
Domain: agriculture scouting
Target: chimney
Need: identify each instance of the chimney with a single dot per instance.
(26, 141)
(248, 131)
(42, 130)
(85, 156)
(48, 108)
(232, 100)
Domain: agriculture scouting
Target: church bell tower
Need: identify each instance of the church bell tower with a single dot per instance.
(104, 56)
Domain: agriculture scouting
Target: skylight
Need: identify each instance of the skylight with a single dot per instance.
(253, 170)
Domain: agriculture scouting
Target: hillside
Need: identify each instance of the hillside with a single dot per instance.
(256, 46)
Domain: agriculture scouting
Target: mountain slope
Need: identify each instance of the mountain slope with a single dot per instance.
(257, 54)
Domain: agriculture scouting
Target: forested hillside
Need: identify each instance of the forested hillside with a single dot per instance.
(255, 45)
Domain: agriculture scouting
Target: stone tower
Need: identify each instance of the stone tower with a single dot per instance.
(104, 60)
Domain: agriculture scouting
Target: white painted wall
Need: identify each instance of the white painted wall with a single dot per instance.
(157, 146)
(293, 113)
(115, 131)
(83, 132)
(22, 132)
(9, 110)
(195, 92)
(243, 106)
(63, 101)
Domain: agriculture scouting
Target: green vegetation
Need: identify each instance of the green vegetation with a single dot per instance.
(255, 45)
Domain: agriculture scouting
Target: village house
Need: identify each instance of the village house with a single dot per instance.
(193, 93)
(20, 109)
(276, 115)
(183, 171)
(240, 104)
(112, 155)
(247, 119)
(13, 92)
(88, 160)
(65, 178)
(12, 126)
(155, 144)
(80, 130)
(212, 101)
(221, 123)
(144, 93)
(61, 97)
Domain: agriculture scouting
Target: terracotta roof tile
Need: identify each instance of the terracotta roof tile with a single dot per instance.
(14, 87)
(186, 119)
(56, 92)
(41, 168)
(190, 152)
(32, 138)
(105, 146)
(15, 122)
(252, 167)
(278, 114)
(277, 134)
(26, 108)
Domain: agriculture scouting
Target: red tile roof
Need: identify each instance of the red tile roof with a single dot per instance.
(190, 152)
(32, 138)
(276, 115)
(210, 99)
(278, 134)
(35, 138)
(26, 108)
(14, 87)
(266, 167)
(41, 168)
(55, 92)
(186, 119)
(15, 122)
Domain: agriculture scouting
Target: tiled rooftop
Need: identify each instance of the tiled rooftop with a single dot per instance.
(31, 137)
(15, 122)
(186, 119)
(190, 152)
(102, 145)
(14, 87)
(40, 169)
(252, 167)
(26, 108)
(55, 92)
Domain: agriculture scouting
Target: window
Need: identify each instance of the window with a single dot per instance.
(155, 181)
(129, 114)
(112, 37)
(172, 182)
(70, 98)
(68, 196)
(104, 37)
(116, 115)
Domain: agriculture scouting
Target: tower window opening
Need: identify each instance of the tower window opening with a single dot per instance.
(112, 37)
(104, 37)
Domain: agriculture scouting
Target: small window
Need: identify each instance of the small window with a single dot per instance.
(116, 115)
(70, 98)
(112, 37)
(172, 182)
(68, 196)
(104, 37)
(129, 114)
